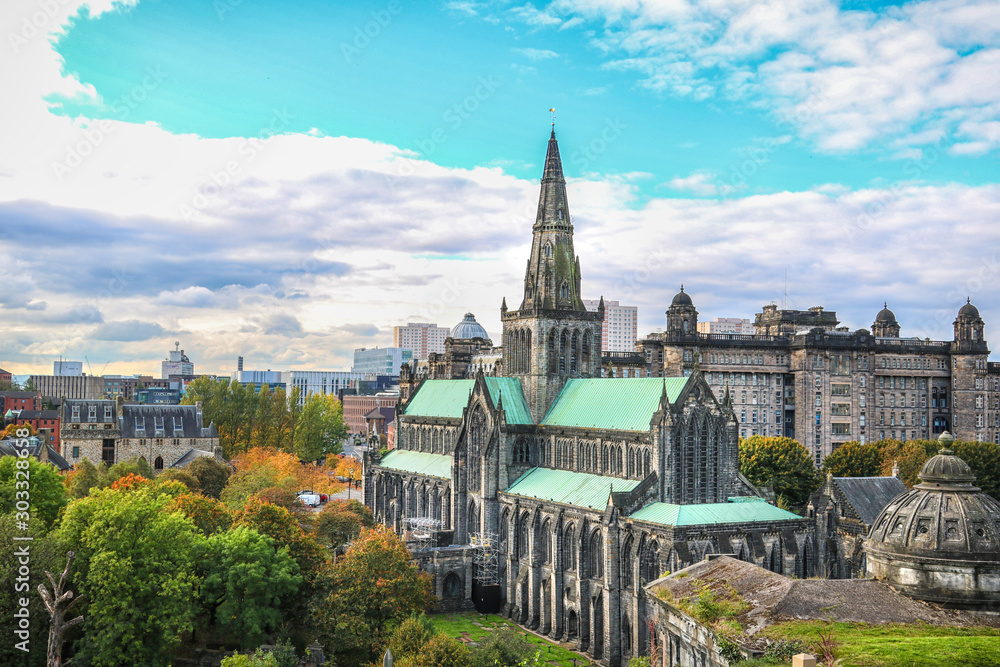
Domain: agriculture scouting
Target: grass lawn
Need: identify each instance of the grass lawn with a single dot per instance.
(474, 626)
(860, 645)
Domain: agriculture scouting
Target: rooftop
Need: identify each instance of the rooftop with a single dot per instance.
(617, 404)
(570, 488)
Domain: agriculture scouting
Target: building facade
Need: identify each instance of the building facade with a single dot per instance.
(618, 331)
(380, 360)
(421, 337)
(803, 376)
(727, 325)
(111, 432)
(553, 494)
(55, 387)
(63, 367)
(176, 363)
(356, 409)
(321, 382)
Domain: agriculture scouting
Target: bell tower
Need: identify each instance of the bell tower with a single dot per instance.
(552, 336)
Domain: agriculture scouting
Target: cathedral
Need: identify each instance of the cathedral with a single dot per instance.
(552, 494)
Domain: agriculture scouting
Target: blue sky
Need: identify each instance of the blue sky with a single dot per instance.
(287, 181)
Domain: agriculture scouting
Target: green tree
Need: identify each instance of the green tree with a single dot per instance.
(853, 459)
(254, 482)
(443, 651)
(246, 582)
(137, 466)
(409, 637)
(136, 567)
(908, 456)
(503, 648)
(260, 658)
(208, 514)
(341, 521)
(43, 489)
(984, 459)
(211, 474)
(84, 477)
(781, 464)
(180, 475)
(320, 427)
(372, 586)
(281, 526)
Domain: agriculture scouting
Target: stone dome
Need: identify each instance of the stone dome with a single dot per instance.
(682, 299)
(940, 541)
(968, 310)
(886, 315)
(469, 328)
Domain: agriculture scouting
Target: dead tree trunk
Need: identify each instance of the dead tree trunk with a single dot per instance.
(58, 603)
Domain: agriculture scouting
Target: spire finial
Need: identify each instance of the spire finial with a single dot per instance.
(885, 304)
(552, 111)
(682, 287)
(968, 299)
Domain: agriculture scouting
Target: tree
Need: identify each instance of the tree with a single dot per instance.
(58, 603)
(908, 456)
(209, 515)
(137, 467)
(43, 488)
(984, 459)
(179, 475)
(211, 474)
(503, 648)
(281, 526)
(136, 567)
(409, 637)
(341, 521)
(260, 658)
(84, 477)
(371, 586)
(320, 427)
(443, 651)
(853, 459)
(246, 581)
(18, 431)
(780, 463)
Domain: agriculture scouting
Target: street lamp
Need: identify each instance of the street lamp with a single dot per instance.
(350, 482)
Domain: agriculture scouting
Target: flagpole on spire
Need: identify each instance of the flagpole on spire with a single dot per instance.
(552, 111)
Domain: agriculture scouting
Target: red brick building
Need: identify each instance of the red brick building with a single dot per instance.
(6, 376)
(45, 422)
(356, 408)
(21, 400)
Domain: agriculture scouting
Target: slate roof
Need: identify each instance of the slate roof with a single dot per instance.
(869, 495)
(669, 514)
(570, 488)
(38, 414)
(19, 394)
(421, 463)
(141, 421)
(34, 448)
(447, 398)
(617, 404)
(84, 404)
(190, 456)
(381, 413)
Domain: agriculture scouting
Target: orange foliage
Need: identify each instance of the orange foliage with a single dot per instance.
(349, 467)
(307, 476)
(131, 482)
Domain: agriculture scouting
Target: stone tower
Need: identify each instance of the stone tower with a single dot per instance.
(968, 375)
(682, 317)
(552, 336)
(885, 325)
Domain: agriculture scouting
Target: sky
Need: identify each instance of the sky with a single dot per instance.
(288, 181)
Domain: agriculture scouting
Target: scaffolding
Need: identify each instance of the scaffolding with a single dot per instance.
(486, 558)
(423, 532)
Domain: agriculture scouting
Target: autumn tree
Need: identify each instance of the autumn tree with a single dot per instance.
(853, 459)
(18, 431)
(136, 567)
(908, 456)
(781, 464)
(281, 526)
(211, 474)
(443, 651)
(246, 582)
(180, 475)
(208, 514)
(260, 470)
(84, 477)
(320, 427)
(984, 459)
(372, 586)
(341, 521)
(43, 488)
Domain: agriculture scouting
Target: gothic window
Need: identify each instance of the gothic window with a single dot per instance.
(452, 586)
(596, 553)
(522, 537)
(526, 365)
(564, 290)
(552, 352)
(522, 452)
(563, 345)
(504, 528)
(473, 517)
(559, 214)
(475, 450)
(574, 353)
(646, 465)
(649, 563)
(569, 548)
(158, 463)
(630, 469)
(547, 250)
(585, 366)
(544, 542)
(626, 563)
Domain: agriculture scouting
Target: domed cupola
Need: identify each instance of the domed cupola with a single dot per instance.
(885, 325)
(940, 541)
(469, 328)
(682, 318)
(969, 328)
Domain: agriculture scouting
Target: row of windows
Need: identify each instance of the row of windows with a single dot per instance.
(763, 416)
(742, 379)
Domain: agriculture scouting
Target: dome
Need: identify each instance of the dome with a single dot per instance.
(682, 299)
(968, 310)
(469, 328)
(886, 315)
(940, 541)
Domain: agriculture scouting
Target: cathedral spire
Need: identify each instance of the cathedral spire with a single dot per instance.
(552, 279)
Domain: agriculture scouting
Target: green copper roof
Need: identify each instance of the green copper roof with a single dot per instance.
(422, 463)
(514, 406)
(440, 398)
(447, 398)
(571, 488)
(710, 513)
(619, 404)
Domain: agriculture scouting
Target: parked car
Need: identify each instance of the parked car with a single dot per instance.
(309, 498)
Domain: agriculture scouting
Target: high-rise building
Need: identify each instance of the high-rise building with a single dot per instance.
(421, 337)
(67, 368)
(618, 333)
(727, 325)
(380, 360)
(321, 382)
(176, 363)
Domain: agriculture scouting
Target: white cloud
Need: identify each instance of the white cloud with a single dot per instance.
(699, 183)
(537, 54)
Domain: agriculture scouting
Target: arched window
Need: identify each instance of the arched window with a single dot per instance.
(547, 250)
(544, 540)
(553, 357)
(563, 345)
(522, 537)
(158, 463)
(574, 353)
(649, 564)
(476, 447)
(522, 452)
(504, 529)
(569, 548)
(596, 553)
(452, 588)
(564, 290)
(626, 563)
(586, 367)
